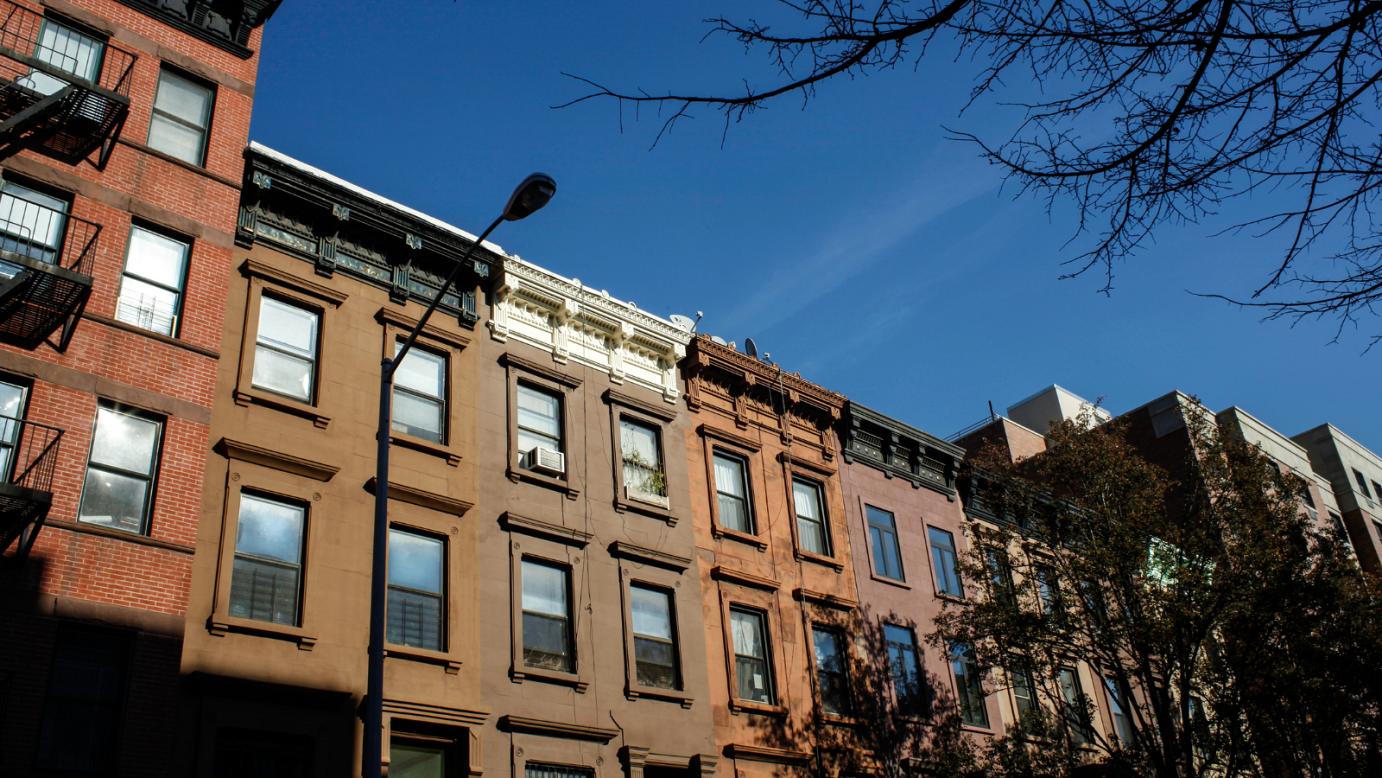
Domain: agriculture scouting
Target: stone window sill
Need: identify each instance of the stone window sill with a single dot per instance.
(517, 474)
(647, 504)
(523, 673)
(245, 397)
(448, 453)
(452, 664)
(672, 695)
(222, 623)
(737, 705)
(808, 556)
(742, 537)
(890, 581)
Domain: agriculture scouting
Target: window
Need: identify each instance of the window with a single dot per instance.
(832, 670)
(533, 770)
(1024, 693)
(643, 470)
(1122, 724)
(887, 558)
(1306, 498)
(539, 422)
(182, 113)
(547, 617)
(751, 667)
(943, 554)
(32, 224)
(13, 402)
(414, 758)
(285, 354)
(1048, 589)
(811, 528)
(151, 288)
(417, 600)
(86, 690)
(1074, 713)
(1001, 578)
(263, 754)
(969, 687)
(1362, 484)
(267, 578)
(419, 395)
(1377, 490)
(732, 492)
(906, 669)
(654, 637)
(121, 470)
(67, 50)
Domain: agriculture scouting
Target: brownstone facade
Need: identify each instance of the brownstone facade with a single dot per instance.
(773, 556)
(117, 211)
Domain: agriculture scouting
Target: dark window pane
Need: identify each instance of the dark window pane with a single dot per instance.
(810, 517)
(81, 714)
(831, 671)
(249, 753)
(545, 642)
(415, 619)
(655, 653)
(535, 770)
(887, 559)
(969, 688)
(751, 667)
(943, 558)
(264, 591)
(906, 669)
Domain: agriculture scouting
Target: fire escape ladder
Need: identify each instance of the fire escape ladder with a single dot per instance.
(31, 121)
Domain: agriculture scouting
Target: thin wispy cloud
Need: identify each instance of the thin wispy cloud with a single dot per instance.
(857, 241)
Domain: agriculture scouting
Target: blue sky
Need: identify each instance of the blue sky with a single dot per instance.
(850, 239)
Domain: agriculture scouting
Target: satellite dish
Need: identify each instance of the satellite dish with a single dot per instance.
(683, 322)
(718, 339)
(750, 348)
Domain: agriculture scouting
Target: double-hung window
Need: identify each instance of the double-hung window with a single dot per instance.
(547, 642)
(1073, 711)
(13, 401)
(752, 667)
(887, 556)
(732, 493)
(417, 599)
(81, 716)
(811, 527)
(832, 670)
(67, 50)
(539, 423)
(945, 562)
(1362, 484)
(1024, 693)
(419, 395)
(906, 669)
(643, 470)
(32, 224)
(969, 687)
(1122, 724)
(654, 637)
(151, 287)
(182, 115)
(266, 582)
(285, 353)
(535, 770)
(121, 470)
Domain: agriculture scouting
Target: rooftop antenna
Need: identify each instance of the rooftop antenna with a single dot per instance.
(992, 415)
(699, 314)
(751, 348)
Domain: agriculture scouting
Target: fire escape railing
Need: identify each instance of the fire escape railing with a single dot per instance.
(62, 92)
(46, 258)
(29, 454)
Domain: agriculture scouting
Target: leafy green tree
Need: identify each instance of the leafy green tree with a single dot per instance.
(1235, 633)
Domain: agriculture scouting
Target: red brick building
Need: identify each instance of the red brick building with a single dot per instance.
(122, 126)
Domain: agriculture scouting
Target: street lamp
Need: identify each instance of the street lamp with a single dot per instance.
(530, 195)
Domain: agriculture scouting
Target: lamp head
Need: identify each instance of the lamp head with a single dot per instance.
(530, 195)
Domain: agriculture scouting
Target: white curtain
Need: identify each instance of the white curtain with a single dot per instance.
(544, 589)
(748, 633)
(652, 613)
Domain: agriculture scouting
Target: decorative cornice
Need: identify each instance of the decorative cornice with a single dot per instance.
(707, 431)
(277, 460)
(471, 718)
(651, 556)
(619, 398)
(899, 450)
(572, 537)
(763, 754)
(710, 353)
(255, 268)
(556, 729)
(422, 497)
(387, 315)
(865, 413)
(798, 462)
(722, 573)
(564, 318)
(822, 598)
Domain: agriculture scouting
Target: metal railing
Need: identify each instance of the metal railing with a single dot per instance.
(27, 43)
(36, 231)
(28, 453)
(975, 427)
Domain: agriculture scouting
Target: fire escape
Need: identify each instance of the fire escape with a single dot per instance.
(63, 94)
(28, 453)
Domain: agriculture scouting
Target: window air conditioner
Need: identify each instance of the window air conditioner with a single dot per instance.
(547, 460)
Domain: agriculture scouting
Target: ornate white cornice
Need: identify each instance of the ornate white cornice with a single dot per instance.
(562, 316)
